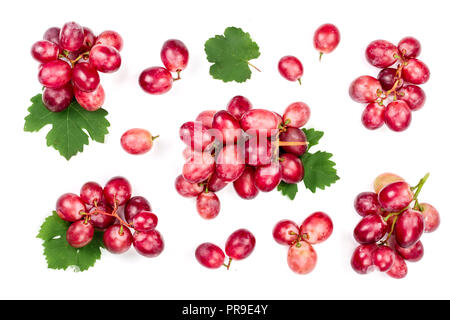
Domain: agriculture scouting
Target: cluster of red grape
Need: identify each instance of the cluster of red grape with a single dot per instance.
(97, 208)
(159, 80)
(398, 87)
(241, 145)
(392, 224)
(326, 39)
(302, 257)
(71, 58)
(239, 245)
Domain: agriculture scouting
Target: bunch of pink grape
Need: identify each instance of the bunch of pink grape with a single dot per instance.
(159, 80)
(240, 244)
(393, 222)
(397, 87)
(302, 257)
(71, 59)
(98, 208)
(255, 149)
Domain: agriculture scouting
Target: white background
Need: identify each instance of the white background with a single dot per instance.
(33, 176)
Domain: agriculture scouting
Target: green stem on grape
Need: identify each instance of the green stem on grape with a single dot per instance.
(229, 263)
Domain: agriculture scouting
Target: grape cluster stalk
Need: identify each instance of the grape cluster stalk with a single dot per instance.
(70, 60)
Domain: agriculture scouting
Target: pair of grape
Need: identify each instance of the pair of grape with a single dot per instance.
(240, 145)
(326, 39)
(239, 245)
(159, 80)
(387, 215)
(96, 208)
(71, 59)
(397, 86)
(316, 228)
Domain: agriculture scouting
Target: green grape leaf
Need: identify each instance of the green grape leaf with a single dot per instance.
(319, 170)
(230, 54)
(59, 254)
(71, 128)
(313, 136)
(288, 190)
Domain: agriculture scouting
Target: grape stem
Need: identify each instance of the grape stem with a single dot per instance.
(73, 62)
(383, 95)
(229, 263)
(112, 214)
(178, 76)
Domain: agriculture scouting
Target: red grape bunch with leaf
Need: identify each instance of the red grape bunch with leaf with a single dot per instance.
(391, 97)
(393, 223)
(99, 217)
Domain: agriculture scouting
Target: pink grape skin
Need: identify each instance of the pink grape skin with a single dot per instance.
(230, 163)
(115, 241)
(89, 39)
(260, 122)
(413, 253)
(367, 203)
(105, 58)
(431, 217)
(156, 80)
(206, 118)
(71, 37)
(85, 77)
(385, 179)
(296, 115)
(58, 99)
(145, 221)
(245, 185)
(326, 38)
(209, 255)
(387, 78)
(290, 68)
(91, 193)
(52, 35)
(102, 221)
(370, 229)
(149, 244)
(240, 244)
(413, 95)
(215, 183)
(364, 89)
(195, 135)
(373, 116)
(208, 205)
(198, 168)
(416, 72)
(294, 135)
(117, 191)
(409, 47)
(239, 105)
(136, 141)
(80, 233)
(91, 101)
(380, 53)
(268, 177)
(258, 151)
(383, 258)
(302, 258)
(316, 228)
(395, 196)
(45, 51)
(187, 153)
(187, 189)
(228, 127)
(134, 206)
(69, 207)
(409, 228)
(398, 116)
(399, 270)
(174, 55)
(286, 232)
(362, 258)
(110, 38)
(292, 170)
(55, 74)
